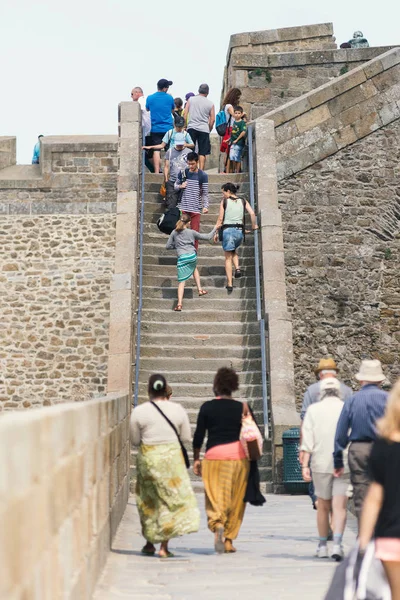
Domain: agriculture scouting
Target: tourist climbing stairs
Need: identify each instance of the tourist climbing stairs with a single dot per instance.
(215, 330)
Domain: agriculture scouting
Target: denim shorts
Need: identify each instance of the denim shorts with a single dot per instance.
(232, 237)
(235, 153)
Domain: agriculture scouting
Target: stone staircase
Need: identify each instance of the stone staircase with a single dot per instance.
(212, 331)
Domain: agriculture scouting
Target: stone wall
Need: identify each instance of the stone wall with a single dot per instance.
(341, 220)
(8, 151)
(57, 229)
(273, 67)
(63, 490)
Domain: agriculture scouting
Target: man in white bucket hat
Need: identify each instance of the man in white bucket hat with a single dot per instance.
(357, 427)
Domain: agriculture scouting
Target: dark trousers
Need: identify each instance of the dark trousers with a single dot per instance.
(358, 463)
(173, 195)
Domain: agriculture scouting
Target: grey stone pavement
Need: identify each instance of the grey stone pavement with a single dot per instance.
(274, 560)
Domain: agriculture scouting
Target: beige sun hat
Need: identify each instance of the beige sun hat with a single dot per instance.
(371, 371)
(326, 364)
(330, 383)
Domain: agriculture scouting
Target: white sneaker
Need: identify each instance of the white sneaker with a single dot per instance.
(337, 552)
(322, 552)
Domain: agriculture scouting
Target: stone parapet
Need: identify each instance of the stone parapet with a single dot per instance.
(278, 319)
(124, 282)
(273, 67)
(8, 151)
(337, 114)
(63, 490)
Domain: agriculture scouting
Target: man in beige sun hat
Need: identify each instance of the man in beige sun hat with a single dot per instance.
(326, 368)
(359, 416)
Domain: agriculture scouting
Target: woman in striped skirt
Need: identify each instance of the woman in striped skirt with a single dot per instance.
(183, 239)
(225, 468)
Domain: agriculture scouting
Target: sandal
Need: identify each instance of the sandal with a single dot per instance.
(168, 555)
(238, 273)
(203, 292)
(229, 288)
(148, 552)
(178, 308)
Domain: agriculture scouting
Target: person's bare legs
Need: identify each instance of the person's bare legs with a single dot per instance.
(235, 260)
(164, 549)
(339, 514)
(237, 167)
(323, 510)
(228, 268)
(157, 161)
(392, 569)
(202, 162)
(196, 277)
(181, 289)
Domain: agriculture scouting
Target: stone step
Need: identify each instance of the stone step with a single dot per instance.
(155, 197)
(220, 178)
(194, 404)
(199, 314)
(246, 391)
(213, 259)
(205, 377)
(244, 284)
(206, 224)
(190, 293)
(184, 363)
(155, 246)
(213, 187)
(205, 269)
(221, 329)
(194, 352)
(208, 302)
(201, 345)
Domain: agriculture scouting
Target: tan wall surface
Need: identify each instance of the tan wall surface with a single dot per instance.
(63, 490)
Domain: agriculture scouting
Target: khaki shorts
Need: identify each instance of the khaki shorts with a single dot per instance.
(326, 485)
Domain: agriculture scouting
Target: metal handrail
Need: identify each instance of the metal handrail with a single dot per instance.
(260, 318)
(140, 300)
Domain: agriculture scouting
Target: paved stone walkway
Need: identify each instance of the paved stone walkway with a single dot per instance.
(274, 559)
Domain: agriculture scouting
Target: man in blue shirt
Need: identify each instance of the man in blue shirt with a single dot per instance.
(161, 104)
(357, 425)
(36, 152)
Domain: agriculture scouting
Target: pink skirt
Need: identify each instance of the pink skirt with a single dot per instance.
(388, 549)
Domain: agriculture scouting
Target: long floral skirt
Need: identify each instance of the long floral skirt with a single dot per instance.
(165, 498)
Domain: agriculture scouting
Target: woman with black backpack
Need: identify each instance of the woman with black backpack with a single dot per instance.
(231, 225)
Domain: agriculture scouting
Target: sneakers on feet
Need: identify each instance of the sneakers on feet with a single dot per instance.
(322, 552)
(337, 552)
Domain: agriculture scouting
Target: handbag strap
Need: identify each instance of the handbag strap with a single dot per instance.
(166, 418)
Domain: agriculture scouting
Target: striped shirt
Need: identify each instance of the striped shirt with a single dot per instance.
(195, 195)
(313, 394)
(360, 414)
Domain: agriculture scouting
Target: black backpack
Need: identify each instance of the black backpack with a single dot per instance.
(167, 222)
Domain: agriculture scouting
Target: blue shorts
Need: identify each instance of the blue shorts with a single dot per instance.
(235, 152)
(232, 237)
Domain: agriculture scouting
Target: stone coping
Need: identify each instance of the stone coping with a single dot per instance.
(81, 143)
(302, 58)
(284, 34)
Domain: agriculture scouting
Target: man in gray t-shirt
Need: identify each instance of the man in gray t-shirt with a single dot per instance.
(175, 162)
(200, 116)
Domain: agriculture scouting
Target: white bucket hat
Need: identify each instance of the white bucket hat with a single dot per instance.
(330, 383)
(371, 371)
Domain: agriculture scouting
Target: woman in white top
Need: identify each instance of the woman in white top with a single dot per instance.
(318, 438)
(166, 503)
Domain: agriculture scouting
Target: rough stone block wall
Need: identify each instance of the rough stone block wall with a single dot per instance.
(341, 221)
(55, 292)
(63, 490)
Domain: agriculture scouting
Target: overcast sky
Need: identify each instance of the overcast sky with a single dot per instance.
(66, 65)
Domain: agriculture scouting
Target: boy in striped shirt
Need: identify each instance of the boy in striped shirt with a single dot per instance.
(194, 184)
